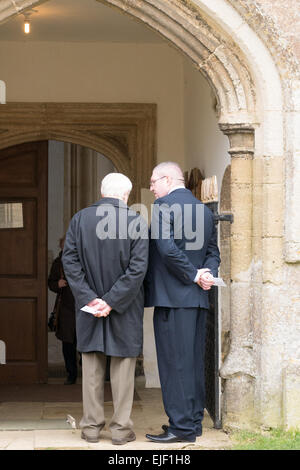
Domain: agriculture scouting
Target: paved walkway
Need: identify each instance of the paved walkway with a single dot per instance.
(34, 426)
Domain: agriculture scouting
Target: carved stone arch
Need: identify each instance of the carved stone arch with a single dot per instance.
(124, 133)
(102, 145)
(218, 59)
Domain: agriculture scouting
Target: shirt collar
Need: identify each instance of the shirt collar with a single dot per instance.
(112, 201)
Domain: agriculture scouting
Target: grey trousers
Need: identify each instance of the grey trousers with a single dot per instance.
(122, 372)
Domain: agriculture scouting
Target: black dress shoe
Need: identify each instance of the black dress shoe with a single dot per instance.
(167, 438)
(165, 428)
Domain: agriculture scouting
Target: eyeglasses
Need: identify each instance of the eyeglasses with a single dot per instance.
(152, 183)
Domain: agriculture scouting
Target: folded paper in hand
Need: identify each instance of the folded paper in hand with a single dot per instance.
(218, 281)
(88, 309)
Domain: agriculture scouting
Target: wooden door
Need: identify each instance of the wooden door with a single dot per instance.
(23, 262)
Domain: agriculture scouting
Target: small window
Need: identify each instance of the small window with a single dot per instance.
(11, 215)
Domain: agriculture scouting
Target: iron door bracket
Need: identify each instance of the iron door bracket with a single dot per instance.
(223, 218)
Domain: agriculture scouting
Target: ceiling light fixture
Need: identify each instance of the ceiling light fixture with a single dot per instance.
(26, 26)
(27, 14)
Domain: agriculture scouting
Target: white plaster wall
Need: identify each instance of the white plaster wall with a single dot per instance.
(206, 147)
(100, 72)
(149, 350)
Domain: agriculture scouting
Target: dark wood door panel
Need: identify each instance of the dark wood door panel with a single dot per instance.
(19, 165)
(23, 262)
(26, 287)
(18, 326)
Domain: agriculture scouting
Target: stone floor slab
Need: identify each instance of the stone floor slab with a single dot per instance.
(43, 426)
(17, 440)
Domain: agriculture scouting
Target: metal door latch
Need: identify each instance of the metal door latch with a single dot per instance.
(223, 218)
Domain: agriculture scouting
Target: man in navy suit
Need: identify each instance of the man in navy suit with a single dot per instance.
(183, 259)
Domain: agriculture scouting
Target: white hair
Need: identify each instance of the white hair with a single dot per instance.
(115, 185)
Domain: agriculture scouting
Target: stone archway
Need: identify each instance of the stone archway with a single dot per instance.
(229, 43)
(124, 133)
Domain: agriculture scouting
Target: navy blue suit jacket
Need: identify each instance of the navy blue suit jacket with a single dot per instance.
(173, 263)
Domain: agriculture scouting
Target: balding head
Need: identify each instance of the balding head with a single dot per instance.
(166, 176)
(171, 169)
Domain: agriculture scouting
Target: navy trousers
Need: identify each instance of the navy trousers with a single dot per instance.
(180, 346)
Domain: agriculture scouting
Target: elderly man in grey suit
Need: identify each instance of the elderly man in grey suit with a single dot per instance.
(105, 260)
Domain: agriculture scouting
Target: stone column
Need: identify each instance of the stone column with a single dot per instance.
(238, 369)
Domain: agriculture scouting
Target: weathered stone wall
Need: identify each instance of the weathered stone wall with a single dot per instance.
(280, 360)
(286, 16)
(277, 24)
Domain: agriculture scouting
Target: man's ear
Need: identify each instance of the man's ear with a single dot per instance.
(169, 180)
(126, 196)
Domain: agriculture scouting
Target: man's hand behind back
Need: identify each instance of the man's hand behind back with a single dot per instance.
(206, 280)
(102, 309)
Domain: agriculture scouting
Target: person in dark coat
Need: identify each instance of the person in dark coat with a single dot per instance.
(65, 316)
(183, 258)
(105, 259)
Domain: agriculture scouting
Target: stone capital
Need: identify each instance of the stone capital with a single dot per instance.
(241, 139)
